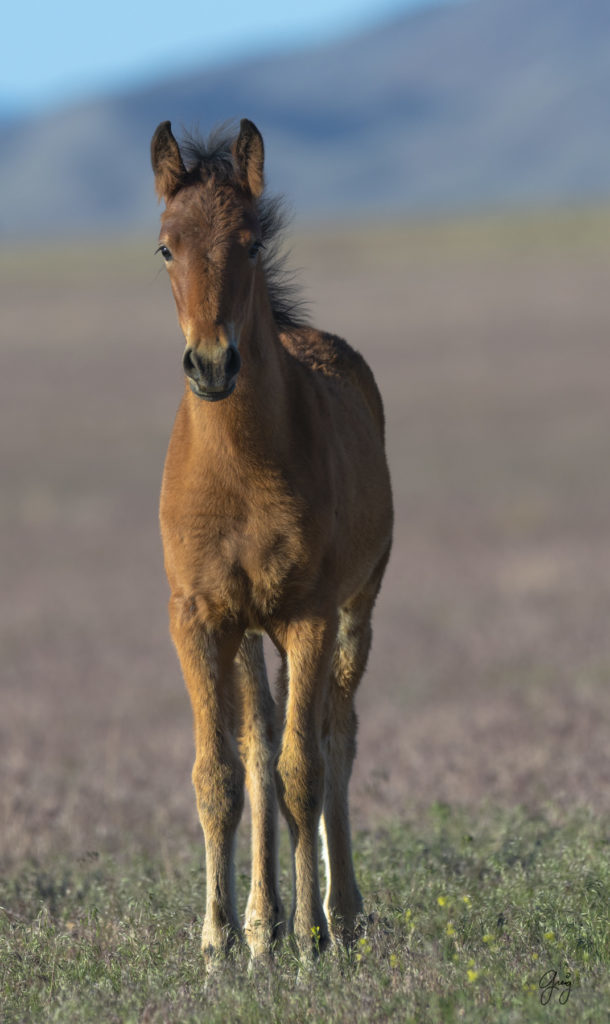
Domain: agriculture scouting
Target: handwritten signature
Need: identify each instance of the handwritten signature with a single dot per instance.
(550, 983)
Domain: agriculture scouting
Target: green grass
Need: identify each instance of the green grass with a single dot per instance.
(465, 914)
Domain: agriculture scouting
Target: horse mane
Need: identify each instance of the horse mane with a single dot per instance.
(213, 155)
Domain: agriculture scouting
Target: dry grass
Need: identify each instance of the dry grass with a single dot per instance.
(489, 677)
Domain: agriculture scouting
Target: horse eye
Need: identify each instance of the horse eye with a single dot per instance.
(166, 254)
(254, 250)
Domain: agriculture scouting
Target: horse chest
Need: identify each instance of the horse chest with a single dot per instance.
(239, 563)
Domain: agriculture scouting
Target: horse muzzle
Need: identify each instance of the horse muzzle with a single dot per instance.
(212, 376)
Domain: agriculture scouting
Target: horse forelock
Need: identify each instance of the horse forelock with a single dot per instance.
(212, 158)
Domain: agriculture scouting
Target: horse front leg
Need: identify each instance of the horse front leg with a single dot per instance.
(206, 657)
(264, 922)
(309, 645)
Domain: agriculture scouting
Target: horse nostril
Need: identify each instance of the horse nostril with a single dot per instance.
(189, 363)
(233, 362)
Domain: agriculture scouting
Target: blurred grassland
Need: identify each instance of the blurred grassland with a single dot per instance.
(578, 231)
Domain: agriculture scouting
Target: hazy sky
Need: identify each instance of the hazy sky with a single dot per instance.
(57, 50)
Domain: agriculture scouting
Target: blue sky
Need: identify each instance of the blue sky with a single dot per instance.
(58, 50)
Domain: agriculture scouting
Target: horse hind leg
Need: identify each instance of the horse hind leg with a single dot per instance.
(343, 901)
(264, 921)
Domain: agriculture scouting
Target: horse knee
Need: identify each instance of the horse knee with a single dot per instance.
(301, 784)
(219, 787)
(340, 729)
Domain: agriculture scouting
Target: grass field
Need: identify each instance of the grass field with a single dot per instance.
(481, 793)
(500, 916)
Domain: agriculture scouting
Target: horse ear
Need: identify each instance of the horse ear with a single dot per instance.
(166, 161)
(249, 157)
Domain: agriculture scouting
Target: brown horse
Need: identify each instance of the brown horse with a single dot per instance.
(276, 516)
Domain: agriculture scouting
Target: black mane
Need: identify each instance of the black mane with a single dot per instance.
(203, 157)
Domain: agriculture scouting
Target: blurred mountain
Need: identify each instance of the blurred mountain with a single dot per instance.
(458, 106)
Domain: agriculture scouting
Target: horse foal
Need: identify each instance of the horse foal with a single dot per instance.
(276, 517)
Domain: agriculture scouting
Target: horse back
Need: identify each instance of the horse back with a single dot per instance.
(333, 358)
